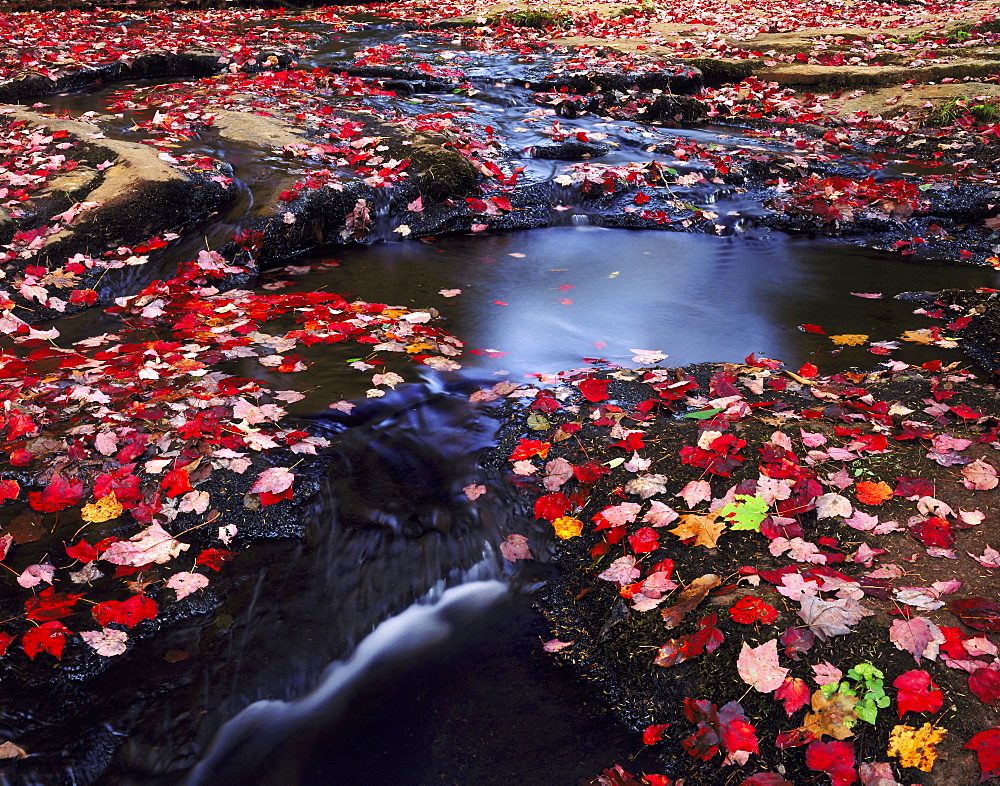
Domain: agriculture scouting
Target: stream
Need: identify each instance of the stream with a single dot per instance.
(396, 646)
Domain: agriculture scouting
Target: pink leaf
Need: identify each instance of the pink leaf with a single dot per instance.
(696, 491)
(980, 476)
(273, 481)
(515, 547)
(758, 666)
(918, 636)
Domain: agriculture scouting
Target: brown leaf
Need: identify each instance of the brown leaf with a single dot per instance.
(829, 715)
(9, 750)
(689, 598)
(25, 528)
(705, 529)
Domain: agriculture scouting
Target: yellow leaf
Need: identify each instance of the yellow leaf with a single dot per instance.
(831, 716)
(849, 339)
(915, 747)
(704, 529)
(921, 336)
(106, 508)
(567, 527)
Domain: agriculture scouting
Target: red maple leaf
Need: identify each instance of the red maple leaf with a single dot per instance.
(644, 540)
(834, 758)
(977, 613)
(594, 389)
(9, 489)
(653, 734)
(214, 558)
(176, 482)
(530, 447)
(932, 532)
(127, 612)
(750, 609)
(917, 692)
(985, 683)
(58, 495)
(707, 639)
(986, 744)
(5, 641)
(82, 551)
(589, 472)
(50, 605)
(794, 693)
(49, 636)
(727, 726)
(551, 506)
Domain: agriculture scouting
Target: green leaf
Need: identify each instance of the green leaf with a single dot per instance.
(538, 422)
(866, 713)
(705, 414)
(746, 513)
(615, 462)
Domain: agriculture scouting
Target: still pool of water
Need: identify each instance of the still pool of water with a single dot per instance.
(546, 300)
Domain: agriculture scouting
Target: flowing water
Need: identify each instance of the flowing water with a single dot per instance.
(391, 646)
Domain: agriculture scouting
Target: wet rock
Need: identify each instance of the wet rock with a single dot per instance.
(151, 65)
(569, 151)
(863, 76)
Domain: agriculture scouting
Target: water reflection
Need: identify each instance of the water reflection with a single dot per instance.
(551, 297)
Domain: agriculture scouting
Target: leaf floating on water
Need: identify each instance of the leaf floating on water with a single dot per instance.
(106, 508)
(849, 339)
(8, 750)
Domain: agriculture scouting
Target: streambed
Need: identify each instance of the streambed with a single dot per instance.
(532, 303)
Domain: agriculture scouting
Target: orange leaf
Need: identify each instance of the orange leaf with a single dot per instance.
(872, 493)
(704, 529)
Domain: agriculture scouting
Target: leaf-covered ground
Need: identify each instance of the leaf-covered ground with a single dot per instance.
(774, 571)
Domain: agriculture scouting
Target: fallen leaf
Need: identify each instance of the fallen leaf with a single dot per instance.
(750, 609)
(830, 506)
(918, 636)
(515, 547)
(107, 641)
(836, 759)
(186, 582)
(986, 744)
(793, 693)
(8, 750)
(705, 640)
(153, 544)
(830, 717)
(106, 508)
(917, 692)
(704, 529)
(869, 493)
(689, 598)
(849, 339)
(622, 571)
(831, 617)
(915, 747)
(567, 527)
(977, 613)
(980, 476)
(985, 684)
(758, 666)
